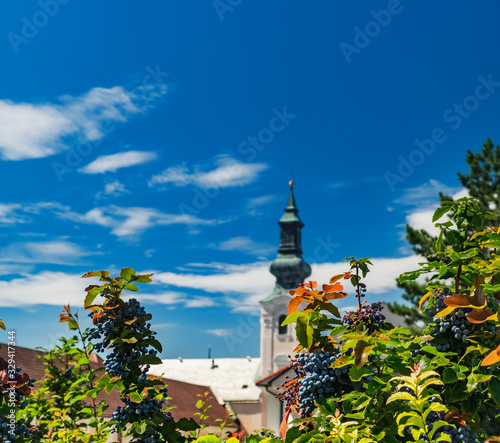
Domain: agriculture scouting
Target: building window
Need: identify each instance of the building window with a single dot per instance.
(282, 329)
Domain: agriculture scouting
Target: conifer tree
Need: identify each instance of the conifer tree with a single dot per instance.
(483, 183)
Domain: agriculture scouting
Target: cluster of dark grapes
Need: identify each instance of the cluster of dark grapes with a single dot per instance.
(266, 433)
(10, 434)
(458, 434)
(132, 411)
(453, 329)
(316, 377)
(455, 326)
(121, 363)
(136, 412)
(370, 316)
(19, 429)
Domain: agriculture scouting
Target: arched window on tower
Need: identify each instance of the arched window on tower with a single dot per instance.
(282, 329)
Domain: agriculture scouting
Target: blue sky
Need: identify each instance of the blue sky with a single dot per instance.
(163, 138)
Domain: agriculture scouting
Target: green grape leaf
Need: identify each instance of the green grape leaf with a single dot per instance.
(494, 388)
(150, 360)
(449, 376)
(127, 273)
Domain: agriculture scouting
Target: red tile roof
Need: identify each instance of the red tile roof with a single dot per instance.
(184, 395)
(269, 378)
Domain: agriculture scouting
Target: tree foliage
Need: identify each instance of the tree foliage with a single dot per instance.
(481, 182)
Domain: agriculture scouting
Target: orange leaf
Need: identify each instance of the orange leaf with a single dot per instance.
(332, 288)
(96, 317)
(64, 318)
(423, 299)
(336, 278)
(66, 308)
(294, 304)
(492, 358)
(464, 301)
(335, 295)
(284, 423)
(300, 291)
(311, 284)
(479, 315)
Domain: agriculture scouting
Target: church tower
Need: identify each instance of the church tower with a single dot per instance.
(290, 269)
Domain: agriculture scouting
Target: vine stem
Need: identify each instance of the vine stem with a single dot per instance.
(358, 294)
(91, 380)
(459, 270)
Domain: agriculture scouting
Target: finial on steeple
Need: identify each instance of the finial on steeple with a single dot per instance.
(291, 206)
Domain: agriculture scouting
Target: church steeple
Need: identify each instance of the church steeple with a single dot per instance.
(289, 267)
(290, 270)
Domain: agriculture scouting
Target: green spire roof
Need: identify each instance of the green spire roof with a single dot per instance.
(289, 267)
(291, 211)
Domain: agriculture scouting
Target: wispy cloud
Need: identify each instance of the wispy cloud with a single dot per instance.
(58, 252)
(111, 163)
(132, 221)
(220, 332)
(45, 288)
(227, 173)
(123, 222)
(425, 200)
(245, 245)
(425, 194)
(12, 213)
(35, 130)
(261, 201)
(112, 189)
(241, 286)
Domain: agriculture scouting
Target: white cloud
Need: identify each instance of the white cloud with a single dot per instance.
(111, 163)
(14, 269)
(59, 288)
(245, 245)
(426, 194)
(55, 252)
(45, 288)
(10, 214)
(127, 222)
(426, 200)
(243, 286)
(35, 130)
(227, 173)
(123, 222)
(199, 302)
(113, 189)
(261, 201)
(220, 332)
